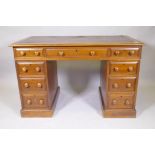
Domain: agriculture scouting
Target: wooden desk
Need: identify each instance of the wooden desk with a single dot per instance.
(36, 64)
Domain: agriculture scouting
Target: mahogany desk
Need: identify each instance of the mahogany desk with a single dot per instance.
(36, 65)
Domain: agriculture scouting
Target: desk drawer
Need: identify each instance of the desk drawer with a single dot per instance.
(117, 101)
(30, 68)
(61, 52)
(75, 53)
(125, 53)
(122, 85)
(33, 84)
(93, 52)
(29, 52)
(123, 68)
(34, 101)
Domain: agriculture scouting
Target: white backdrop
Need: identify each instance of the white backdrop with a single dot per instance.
(79, 81)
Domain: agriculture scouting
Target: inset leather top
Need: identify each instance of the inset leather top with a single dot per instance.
(43, 41)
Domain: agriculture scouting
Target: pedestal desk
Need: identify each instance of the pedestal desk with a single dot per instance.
(36, 65)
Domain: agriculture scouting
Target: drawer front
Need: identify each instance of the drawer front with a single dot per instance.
(77, 53)
(122, 85)
(123, 68)
(93, 52)
(29, 52)
(61, 52)
(33, 84)
(121, 101)
(31, 68)
(34, 101)
(125, 53)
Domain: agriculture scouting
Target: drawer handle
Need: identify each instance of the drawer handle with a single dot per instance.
(39, 85)
(115, 85)
(26, 85)
(127, 102)
(38, 69)
(130, 69)
(61, 53)
(116, 69)
(29, 102)
(92, 53)
(37, 53)
(117, 53)
(114, 102)
(131, 53)
(41, 102)
(128, 85)
(22, 53)
(24, 69)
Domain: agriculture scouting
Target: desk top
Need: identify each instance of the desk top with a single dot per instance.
(76, 41)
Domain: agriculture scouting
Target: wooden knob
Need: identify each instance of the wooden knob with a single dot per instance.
(116, 69)
(26, 85)
(38, 69)
(39, 85)
(128, 85)
(37, 53)
(114, 102)
(115, 85)
(61, 53)
(127, 102)
(24, 69)
(131, 53)
(130, 69)
(22, 53)
(29, 102)
(117, 53)
(41, 102)
(92, 53)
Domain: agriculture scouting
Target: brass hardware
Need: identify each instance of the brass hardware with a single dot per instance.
(114, 102)
(26, 85)
(24, 69)
(131, 53)
(92, 53)
(61, 53)
(39, 85)
(128, 85)
(117, 53)
(29, 102)
(41, 102)
(38, 69)
(22, 53)
(130, 69)
(115, 85)
(127, 102)
(37, 53)
(116, 69)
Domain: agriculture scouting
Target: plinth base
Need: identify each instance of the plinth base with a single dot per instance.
(117, 113)
(41, 112)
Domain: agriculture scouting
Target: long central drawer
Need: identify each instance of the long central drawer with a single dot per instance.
(90, 53)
